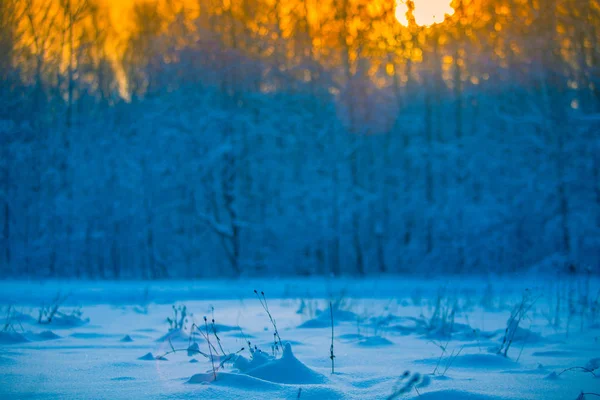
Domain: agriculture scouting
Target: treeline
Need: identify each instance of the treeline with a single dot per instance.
(218, 137)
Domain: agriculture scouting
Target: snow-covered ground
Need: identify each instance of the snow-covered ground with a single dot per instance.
(112, 340)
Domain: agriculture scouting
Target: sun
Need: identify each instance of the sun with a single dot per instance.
(426, 13)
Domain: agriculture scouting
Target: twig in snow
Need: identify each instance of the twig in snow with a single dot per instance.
(584, 369)
(263, 303)
(188, 350)
(409, 385)
(443, 348)
(523, 345)
(512, 326)
(212, 361)
(451, 360)
(247, 341)
(9, 323)
(47, 313)
(582, 395)
(229, 357)
(214, 330)
(204, 335)
(331, 355)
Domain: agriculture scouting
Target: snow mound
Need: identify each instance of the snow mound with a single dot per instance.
(593, 364)
(445, 330)
(323, 319)
(404, 325)
(90, 335)
(146, 330)
(287, 369)
(479, 361)
(375, 341)
(553, 376)
(150, 357)
(540, 370)
(339, 315)
(126, 339)
(422, 326)
(315, 323)
(175, 335)
(351, 336)
(224, 359)
(19, 317)
(65, 321)
(147, 357)
(45, 335)
(12, 338)
(194, 350)
(241, 335)
(258, 358)
(232, 380)
(524, 335)
(225, 328)
(554, 353)
(456, 395)
(465, 332)
(140, 310)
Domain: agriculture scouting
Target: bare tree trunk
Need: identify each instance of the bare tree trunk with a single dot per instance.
(553, 96)
(150, 246)
(562, 193)
(229, 179)
(429, 168)
(382, 226)
(360, 267)
(69, 11)
(460, 170)
(335, 218)
(27, 246)
(87, 253)
(114, 251)
(597, 187)
(7, 212)
(349, 81)
(6, 234)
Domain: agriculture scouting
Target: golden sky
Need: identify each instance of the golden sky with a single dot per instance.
(427, 12)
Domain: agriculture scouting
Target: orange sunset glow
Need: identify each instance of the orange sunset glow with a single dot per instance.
(337, 34)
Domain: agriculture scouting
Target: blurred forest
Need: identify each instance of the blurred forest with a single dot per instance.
(278, 137)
